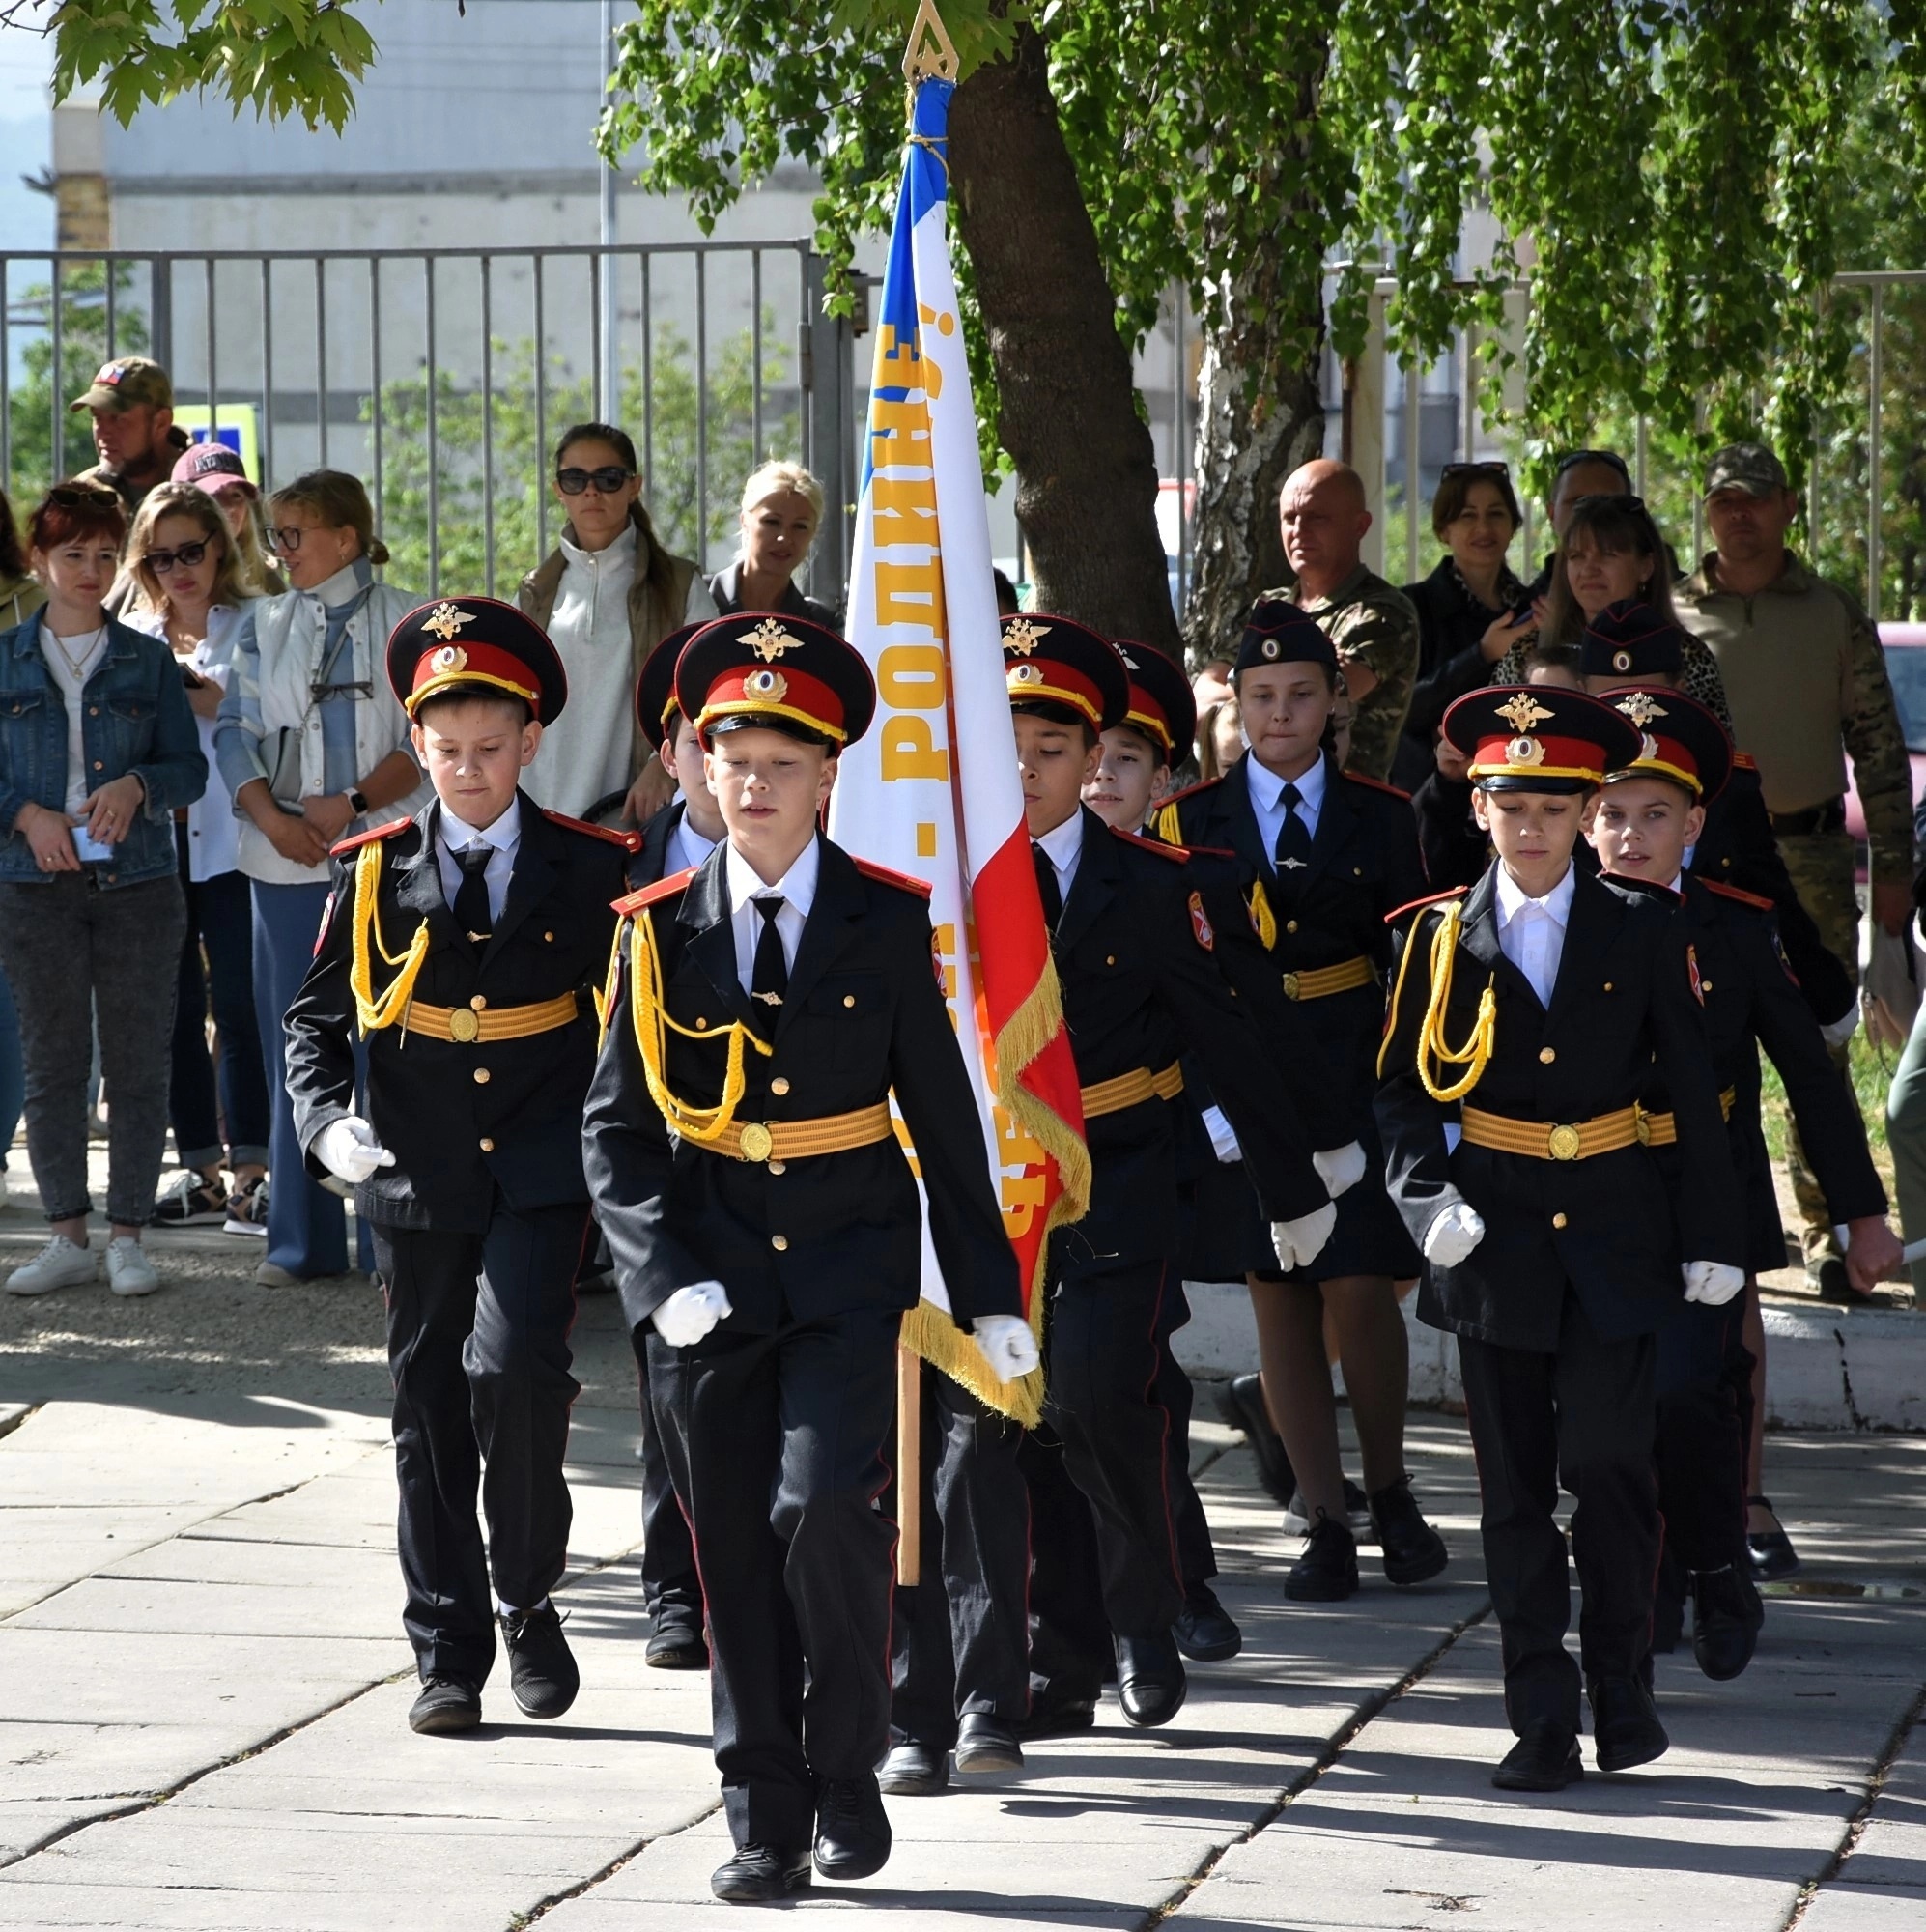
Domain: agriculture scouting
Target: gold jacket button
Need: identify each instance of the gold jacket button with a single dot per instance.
(487, 1145)
(1547, 1054)
(481, 1076)
(1110, 959)
(1608, 986)
(779, 1167)
(780, 1242)
(479, 1004)
(1558, 1220)
(849, 999)
(702, 1026)
(1290, 925)
(1705, 985)
(550, 937)
(780, 1085)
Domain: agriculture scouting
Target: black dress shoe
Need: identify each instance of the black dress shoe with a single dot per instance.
(1771, 1551)
(910, 1770)
(1242, 1406)
(540, 1671)
(1058, 1717)
(1204, 1629)
(852, 1828)
(986, 1746)
(675, 1645)
(1625, 1724)
(1327, 1571)
(758, 1874)
(1414, 1552)
(1545, 1759)
(445, 1704)
(1150, 1683)
(1727, 1617)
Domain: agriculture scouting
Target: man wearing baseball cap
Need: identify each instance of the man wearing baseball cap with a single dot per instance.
(132, 400)
(1807, 685)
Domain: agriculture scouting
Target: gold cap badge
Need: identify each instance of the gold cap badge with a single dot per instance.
(446, 621)
(1525, 751)
(1524, 711)
(767, 684)
(1023, 636)
(450, 657)
(769, 640)
(1641, 707)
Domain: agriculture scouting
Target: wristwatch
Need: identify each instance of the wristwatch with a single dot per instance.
(359, 799)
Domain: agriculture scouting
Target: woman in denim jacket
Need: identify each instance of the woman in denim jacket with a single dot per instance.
(97, 747)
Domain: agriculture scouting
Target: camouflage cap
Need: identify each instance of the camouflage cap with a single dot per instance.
(1745, 466)
(125, 384)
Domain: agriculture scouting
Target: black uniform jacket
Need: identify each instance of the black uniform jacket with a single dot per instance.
(1606, 1223)
(864, 1014)
(649, 861)
(1752, 1000)
(464, 1120)
(1364, 864)
(1133, 952)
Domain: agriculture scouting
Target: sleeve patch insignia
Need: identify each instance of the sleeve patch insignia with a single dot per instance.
(1199, 924)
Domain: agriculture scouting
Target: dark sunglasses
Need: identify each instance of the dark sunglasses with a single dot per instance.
(82, 495)
(1610, 458)
(604, 481)
(187, 555)
(1489, 468)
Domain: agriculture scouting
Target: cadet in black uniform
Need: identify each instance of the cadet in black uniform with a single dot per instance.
(1325, 855)
(1134, 949)
(1525, 1021)
(465, 951)
(1650, 812)
(767, 1233)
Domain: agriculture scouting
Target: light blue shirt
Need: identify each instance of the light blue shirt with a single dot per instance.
(1267, 796)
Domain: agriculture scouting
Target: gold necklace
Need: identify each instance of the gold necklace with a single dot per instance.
(77, 667)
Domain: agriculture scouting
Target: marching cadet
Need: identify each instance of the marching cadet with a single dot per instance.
(1549, 1232)
(1136, 756)
(1323, 855)
(767, 1234)
(465, 951)
(1133, 947)
(677, 838)
(1651, 813)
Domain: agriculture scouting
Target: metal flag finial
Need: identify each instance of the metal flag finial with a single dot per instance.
(931, 52)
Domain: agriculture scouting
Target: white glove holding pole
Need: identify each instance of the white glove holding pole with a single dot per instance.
(1223, 1136)
(690, 1313)
(1298, 1243)
(1840, 1031)
(351, 1149)
(1451, 1237)
(1006, 1345)
(1712, 1283)
(1341, 1168)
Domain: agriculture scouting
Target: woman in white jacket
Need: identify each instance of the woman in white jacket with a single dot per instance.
(312, 745)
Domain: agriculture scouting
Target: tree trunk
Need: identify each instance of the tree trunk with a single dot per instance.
(1260, 414)
(1087, 471)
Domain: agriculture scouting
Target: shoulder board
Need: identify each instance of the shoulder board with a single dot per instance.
(1197, 790)
(1726, 891)
(883, 875)
(1745, 761)
(648, 895)
(630, 841)
(1210, 851)
(1377, 784)
(1418, 905)
(342, 847)
(1175, 854)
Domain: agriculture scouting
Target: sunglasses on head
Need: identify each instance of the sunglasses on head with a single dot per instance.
(186, 556)
(1610, 458)
(82, 495)
(604, 481)
(1622, 500)
(1491, 467)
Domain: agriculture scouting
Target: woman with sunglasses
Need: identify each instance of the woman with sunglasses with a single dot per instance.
(1466, 606)
(189, 591)
(313, 744)
(97, 749)
(607, 595)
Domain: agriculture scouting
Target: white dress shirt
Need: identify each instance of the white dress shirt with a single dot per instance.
(687, 847)
(1267, 798)
(1064, 846)
(796, 889)
(1531, 932)
(453, 838)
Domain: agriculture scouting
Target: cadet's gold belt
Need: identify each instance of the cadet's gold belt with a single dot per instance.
(1324, 980)
(1663, 1130)
(1131, 1090)
(479, 1021)
(798, 1140)
(1543, 1141)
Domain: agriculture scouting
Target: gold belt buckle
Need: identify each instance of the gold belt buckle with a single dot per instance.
(1564, 1143)
(464, 1026)
(756, 1141)
(1291, 986)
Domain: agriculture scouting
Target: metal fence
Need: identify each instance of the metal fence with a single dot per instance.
(441, 377)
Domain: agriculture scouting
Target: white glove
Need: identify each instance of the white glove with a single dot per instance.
(1451, 1237)
(351, 1149)
(1712, 1283)
(1840, 1031)
(1341, 1168)
(1223, 1137)
(1007, 1344)
(690, 1313)
(1299, 1242)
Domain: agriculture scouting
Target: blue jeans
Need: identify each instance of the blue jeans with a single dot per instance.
(221, 918)
(307, 1225)
(12, 1071)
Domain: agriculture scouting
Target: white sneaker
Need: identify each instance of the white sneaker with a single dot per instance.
(129, 1269)
(61, 1263)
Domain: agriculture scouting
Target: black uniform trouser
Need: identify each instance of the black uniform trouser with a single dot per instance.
(478, 1347)
(1585, 1417)
(958, 1643)
(776, 1444)
(670, 1587)
(1106, 1349)
(1070, 1649)
(1704, 1386)
(1197, 1556)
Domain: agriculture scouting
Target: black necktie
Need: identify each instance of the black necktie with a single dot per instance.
(1293, 835)
(1046, 886)
(472, 913)
(769, 976)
